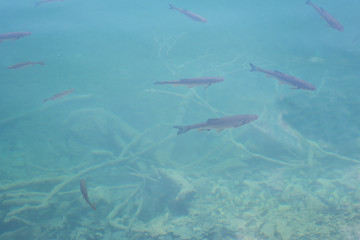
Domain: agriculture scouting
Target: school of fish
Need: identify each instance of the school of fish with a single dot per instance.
(218, 124)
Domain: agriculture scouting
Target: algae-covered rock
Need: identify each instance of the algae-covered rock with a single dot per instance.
(283, 229)
(173, 192)
(186, 189)
(268, 230)
(284, 208)
(314, 203)
(357, 194)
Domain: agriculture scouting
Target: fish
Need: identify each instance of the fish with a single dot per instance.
(219, 124)
(189, 14)
(193, 82)
(13, 36)
(25, 64)
(327, 17)
(283, 78)
(46, 1)
(84, 193)
(59, 95)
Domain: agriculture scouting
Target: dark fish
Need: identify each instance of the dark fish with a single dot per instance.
(13, 36)
(59, 95)
(25, 64)
(219, 123)
(85, 193)
(327, 17)
(189, 14)
(46, 1)
(283, 78)
(194, 82)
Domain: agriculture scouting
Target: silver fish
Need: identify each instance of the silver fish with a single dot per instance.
(283, 78)
(84, 192)
(189, 14)
(219, 124)
(13, 36)
(194, 82)
(327, 17)
(25, 64)
(59, 95)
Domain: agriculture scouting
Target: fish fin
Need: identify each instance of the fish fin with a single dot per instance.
(92, 206)
(182, 129)
(203, 129)
(220, 129)
(207, 86)
(253, 68)
(176, 85)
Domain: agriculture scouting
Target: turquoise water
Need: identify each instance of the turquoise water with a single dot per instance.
(291, 174)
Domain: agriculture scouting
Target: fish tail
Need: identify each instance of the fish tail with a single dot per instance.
(91, 205)
(46, 99)
(253, 68)
(41, 63)
(171, 6)
(182, 129)
(308, 2)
